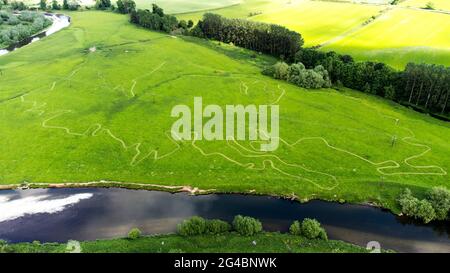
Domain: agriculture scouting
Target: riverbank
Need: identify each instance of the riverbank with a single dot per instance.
(268, 242)
(87, 214)
(178, 189)
(59, 21)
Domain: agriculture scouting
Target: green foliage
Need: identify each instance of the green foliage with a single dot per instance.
(21, 26)
(134, 234)
(18, 6)
(413, 207)
(155, 20)
(174, 243)
(125, 6)
(281, 71)
(295, 228)
(311, 229)
(271, 39)
(246, 226)
(5, 248)
(425, 211)
(65, 5)
(217, 226)
(190, 23)
(426, 86)
(157, 10)
(182, 24)
(102, 4)
(439, 198)
(74, 5)
(43, 4)
(193, 226)
(308, 78)
(55, 5)
(389, 92)
(430, 5)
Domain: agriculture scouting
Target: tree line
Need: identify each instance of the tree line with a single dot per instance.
(157, 20)
(270, 39)
(426, 87)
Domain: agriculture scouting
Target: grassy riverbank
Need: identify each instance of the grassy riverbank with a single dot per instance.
(226, 243)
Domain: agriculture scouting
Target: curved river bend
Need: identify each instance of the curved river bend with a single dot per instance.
(59, 22)
(57, 215)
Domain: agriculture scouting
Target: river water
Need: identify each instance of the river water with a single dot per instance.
(57, 215)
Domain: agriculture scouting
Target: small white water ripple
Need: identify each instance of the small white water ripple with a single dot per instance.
(13, 209)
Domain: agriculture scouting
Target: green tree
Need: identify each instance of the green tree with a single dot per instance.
(43, 4)
(182, 24)
(126, 6)
(193, 226)
(134, 234)
(425, 211)
(439, 198)
(217, 227)
(295, 228)
(246, 226)
(157, 10)
(281, 70)
(389, 92)
(65, 5)
(190, 23)
(55, 5)
(102, 4)
(311, 229)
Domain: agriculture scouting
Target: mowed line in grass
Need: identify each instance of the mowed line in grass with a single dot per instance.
(99, 93)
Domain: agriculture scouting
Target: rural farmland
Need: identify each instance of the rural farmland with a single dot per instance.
(90, 108)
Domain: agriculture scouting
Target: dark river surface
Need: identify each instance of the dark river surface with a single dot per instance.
(58, 215)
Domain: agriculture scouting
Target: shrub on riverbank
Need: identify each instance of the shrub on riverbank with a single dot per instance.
(436, 206)
(246, 226)
(19, 27)
(134, 234)
(309, 228)
(192, 226)
(217, 226)
(439, 198)
(198, 226)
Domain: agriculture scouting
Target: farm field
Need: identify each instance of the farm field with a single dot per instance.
(93, 102)
(438, 4)
(388, 40)
(307, 18)
(340, 27)
(170, 6)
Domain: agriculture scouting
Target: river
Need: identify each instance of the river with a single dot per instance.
(57, 215)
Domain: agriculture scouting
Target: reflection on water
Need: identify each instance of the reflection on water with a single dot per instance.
(87, 214)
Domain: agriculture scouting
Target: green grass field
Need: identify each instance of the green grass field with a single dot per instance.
(226, 243)
(390, 39)
(438, 4)
(170, 6)
(397, 37)
(70, 114)
(308, 18)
